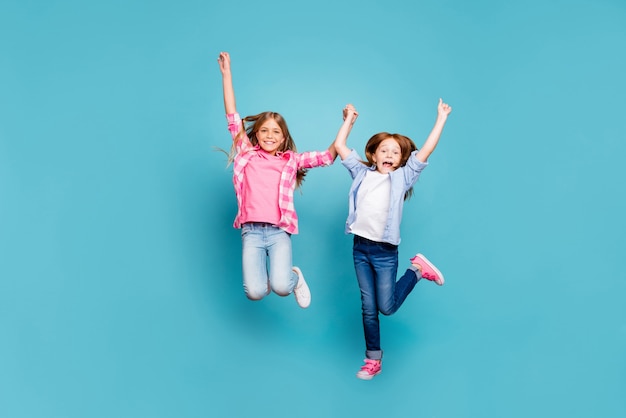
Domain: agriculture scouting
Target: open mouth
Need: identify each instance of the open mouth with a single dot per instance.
(387, 164)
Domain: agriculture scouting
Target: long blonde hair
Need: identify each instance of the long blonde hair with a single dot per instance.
(251, 124)
(407, 146)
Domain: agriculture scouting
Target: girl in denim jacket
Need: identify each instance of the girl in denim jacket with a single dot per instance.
(379, 187)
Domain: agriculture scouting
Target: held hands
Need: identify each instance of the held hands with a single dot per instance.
(224, 61)
(443, 109)
(350, 113)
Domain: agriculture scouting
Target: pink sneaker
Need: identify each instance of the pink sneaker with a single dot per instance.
(429, 271)
(370, 369)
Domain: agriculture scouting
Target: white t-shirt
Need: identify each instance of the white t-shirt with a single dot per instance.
(372, 206)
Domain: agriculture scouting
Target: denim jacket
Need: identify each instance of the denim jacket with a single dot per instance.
(402, 179)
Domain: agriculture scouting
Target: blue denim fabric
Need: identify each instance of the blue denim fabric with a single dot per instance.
(376, 265)
(262, 242)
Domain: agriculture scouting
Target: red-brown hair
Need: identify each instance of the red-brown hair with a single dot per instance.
(407, 146)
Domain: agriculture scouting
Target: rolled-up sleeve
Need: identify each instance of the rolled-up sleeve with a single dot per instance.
(312, 159)
(242, 142)
(234, 123)
(413, 169)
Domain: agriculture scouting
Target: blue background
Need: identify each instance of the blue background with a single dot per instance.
(120, 272)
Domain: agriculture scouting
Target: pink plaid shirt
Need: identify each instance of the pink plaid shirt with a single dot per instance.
(295, 161)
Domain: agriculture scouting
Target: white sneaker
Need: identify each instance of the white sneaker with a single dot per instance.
(301, 291)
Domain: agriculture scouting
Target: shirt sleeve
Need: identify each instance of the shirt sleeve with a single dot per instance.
(414, 163)
(353, 163)
(235, 126)
(312, 159)
(413, 169)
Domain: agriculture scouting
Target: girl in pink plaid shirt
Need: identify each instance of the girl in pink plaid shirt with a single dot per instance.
(266, 170)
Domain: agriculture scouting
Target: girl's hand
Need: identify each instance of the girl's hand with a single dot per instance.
(224, 61)
(443, 109)
(350, 113)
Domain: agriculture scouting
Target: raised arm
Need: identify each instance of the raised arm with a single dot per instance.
(227, 83)
(443, 110)
(349, 117)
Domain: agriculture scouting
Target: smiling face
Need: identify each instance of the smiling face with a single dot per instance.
(388, 156)
(270, 136)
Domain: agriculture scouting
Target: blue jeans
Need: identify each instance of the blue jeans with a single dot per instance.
(376, 266)
(262, 242)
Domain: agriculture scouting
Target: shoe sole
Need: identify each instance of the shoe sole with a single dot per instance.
(434, 268)
(367, 377)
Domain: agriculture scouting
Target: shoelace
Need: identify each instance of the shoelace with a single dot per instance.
(370, 366)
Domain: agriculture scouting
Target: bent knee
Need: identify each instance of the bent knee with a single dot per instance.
(282, 290)
(386, 311)
(256, 294)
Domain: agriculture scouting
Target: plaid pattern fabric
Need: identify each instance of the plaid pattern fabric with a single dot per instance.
(295, 161)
